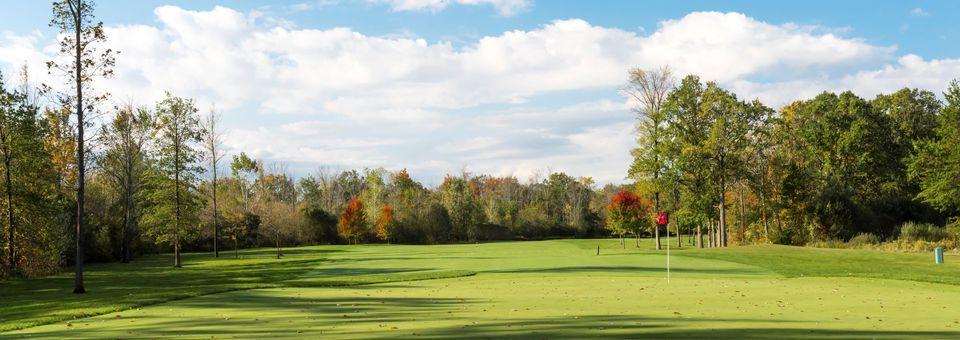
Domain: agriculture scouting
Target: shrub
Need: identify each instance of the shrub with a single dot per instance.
(954, 229)
(828, 243)
(493, 232)
(911, 231)
(864, 239)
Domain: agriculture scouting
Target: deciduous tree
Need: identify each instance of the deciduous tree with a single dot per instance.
(177, 164)
(352, 221)
(385, 223)
(648, 90)
(125, 141)
(84, 59)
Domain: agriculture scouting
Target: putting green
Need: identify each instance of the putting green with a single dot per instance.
(542, 290)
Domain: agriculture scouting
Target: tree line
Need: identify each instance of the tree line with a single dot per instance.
(827, 168)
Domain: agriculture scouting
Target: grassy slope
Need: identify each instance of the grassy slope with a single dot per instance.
(549, 289)
(803, 261)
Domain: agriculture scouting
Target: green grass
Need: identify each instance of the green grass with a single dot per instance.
(826, 262)
(547, 289)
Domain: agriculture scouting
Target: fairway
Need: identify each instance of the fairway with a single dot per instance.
(551, 289)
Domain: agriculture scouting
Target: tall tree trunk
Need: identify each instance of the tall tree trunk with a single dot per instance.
(708, 229)
(176, 219)
(8, 186)
(743, 225)
(656, 227)
(124, 238)
(722, 227)
(216, 219)
(699, 236)
(766, 229)
(81, 164)
(679, 236)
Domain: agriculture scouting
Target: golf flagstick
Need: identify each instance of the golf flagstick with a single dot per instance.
(668, 255)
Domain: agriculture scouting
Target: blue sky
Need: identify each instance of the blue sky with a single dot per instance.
(507, 87)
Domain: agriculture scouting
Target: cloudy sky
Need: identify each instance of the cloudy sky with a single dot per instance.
(505, 87)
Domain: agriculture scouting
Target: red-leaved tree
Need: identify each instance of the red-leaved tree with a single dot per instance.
(627, 214)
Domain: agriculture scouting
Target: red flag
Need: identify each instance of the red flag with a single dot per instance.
(663, 218)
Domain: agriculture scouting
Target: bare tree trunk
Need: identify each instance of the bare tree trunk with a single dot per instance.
(656, 227)
(212, 143)
(656, 236)
(743, 225)
(125, 239)
(81, 164)
(216, 219)
(176, 223)
(278, 244)
(709, 231)
(766, 229)
(699, 236)
(721, 228)
(12, 257)
(679, 236)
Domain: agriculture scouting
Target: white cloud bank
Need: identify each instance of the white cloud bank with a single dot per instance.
(338, 96)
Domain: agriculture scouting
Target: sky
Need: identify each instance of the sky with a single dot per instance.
(500, 87)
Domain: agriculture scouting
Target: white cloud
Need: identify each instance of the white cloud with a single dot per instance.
(339, 96)
(919, 12)
(908, 71)
(312, 5)
(503, 7)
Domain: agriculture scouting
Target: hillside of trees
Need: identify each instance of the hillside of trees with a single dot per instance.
(149, 178)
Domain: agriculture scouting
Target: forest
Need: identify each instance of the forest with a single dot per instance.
(88, 178)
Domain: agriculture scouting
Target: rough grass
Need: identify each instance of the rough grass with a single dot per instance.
(548, 289)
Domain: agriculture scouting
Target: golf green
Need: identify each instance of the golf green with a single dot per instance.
(554, 289)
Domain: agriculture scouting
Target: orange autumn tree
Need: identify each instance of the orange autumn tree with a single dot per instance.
(352, 221)
(627, 213)
(385, 223)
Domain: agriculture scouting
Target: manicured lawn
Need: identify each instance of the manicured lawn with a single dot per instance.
(545, 289)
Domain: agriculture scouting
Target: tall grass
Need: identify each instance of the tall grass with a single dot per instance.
(864, 239)
(911, 231)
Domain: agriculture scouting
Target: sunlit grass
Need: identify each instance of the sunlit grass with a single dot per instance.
(559, 288)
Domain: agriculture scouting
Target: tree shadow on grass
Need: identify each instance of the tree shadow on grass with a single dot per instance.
(374, 317)
(633, 269)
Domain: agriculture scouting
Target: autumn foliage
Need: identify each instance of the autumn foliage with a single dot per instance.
(627, 213)
(385, 223)
(352, 221)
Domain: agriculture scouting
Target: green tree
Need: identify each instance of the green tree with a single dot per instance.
(648, 90)
(936, 165)
(460, 196)
(125, 141)
(245, 169)
(177, 165)
(26, 173)
(688, 130)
